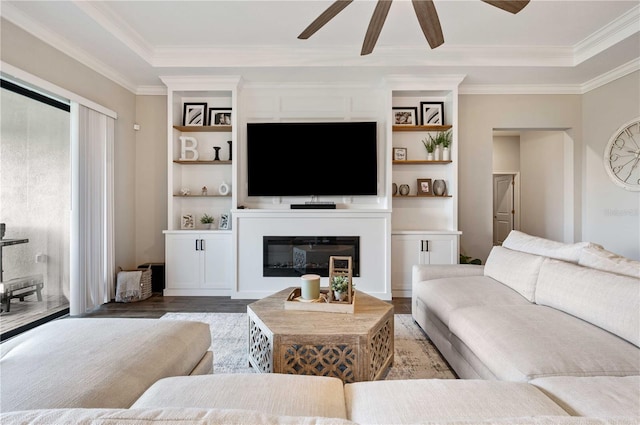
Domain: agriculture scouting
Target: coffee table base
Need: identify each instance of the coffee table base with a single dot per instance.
(351, 357)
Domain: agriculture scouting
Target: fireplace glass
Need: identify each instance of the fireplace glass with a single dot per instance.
(291, 256)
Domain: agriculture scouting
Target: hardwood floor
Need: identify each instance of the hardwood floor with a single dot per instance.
(158, 305)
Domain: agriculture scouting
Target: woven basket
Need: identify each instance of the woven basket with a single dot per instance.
(145, 286)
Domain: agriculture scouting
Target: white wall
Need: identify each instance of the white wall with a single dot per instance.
(611, 214)
(28, 53)
(506, 154)
(150, 179)
(542, 184)
(478, 116)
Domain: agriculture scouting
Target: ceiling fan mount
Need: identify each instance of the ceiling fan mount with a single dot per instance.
(425, 12)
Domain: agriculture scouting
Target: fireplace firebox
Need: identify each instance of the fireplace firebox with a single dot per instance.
(291, 256)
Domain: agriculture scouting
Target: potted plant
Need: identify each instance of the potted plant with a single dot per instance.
(429, 146)
(445, 139)
(207, 220)
(340, 287)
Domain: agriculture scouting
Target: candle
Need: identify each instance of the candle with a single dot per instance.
(310, 286)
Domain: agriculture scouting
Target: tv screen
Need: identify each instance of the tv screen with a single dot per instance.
(306, 159)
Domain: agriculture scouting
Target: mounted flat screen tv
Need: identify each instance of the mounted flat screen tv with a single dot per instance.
(307, 159)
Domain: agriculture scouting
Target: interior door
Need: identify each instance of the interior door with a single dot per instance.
(503, 207)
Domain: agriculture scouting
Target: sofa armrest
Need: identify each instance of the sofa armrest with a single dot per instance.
(420, 273)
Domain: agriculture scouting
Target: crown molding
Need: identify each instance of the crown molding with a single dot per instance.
(151, 91)
(616, 31)
(15, 16)
(619, 72)
(474, 89)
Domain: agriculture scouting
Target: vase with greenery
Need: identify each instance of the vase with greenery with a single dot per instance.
(429, 146)
(340, 287)
(445, 140)
(207, 220)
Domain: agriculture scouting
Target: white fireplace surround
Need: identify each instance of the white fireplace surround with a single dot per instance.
(251, 226)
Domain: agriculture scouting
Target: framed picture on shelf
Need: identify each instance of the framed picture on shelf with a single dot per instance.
(405, 116)
(187, 222)
(431, 113)
(194, 114)
(399, 154)
(424, 187)
(225, 222)
(219, 116)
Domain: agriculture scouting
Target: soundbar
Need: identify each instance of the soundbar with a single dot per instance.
(314, 206)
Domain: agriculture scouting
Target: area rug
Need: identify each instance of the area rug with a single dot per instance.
(415, 357)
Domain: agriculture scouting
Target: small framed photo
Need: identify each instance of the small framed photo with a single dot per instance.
(194, 114)
(424, 187)
(219, 116)
(225, 222)
(431, 113)
(405, 116)
(399, 154)
(187, 221)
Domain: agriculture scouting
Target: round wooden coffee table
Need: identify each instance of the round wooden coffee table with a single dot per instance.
(351, 346)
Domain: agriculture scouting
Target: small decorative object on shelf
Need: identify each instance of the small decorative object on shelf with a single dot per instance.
(405, 116)
(185, 191)
(187, 222)
(194, 114)
(219, 116)
(399, 154)
(225, 222)
(217, 154)
(207, 220)
(429, 146)
(439, 187)
(404, 189)
(205, 191)
(185, 148)
(394, 189)
(432, 113)
(224, 189)
(424, 187)
(230, 143)
(446, 143)
(340, 287)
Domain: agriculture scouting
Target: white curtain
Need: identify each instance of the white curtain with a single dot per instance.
(92, 248)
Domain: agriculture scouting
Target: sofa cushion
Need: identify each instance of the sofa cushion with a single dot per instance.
(167, 416)
(442, 296)
(519, 241)
(599, 258)
(89, 362)
(521, 343)
(599, 396)
(419, 400)
(517, 270)
(607, 300)
(277, 394)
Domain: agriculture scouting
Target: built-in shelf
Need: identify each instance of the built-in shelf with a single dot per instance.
(421, 127)
(203, 128)
(422, 196)
(201, 196)
(419, 162)
(187, 162)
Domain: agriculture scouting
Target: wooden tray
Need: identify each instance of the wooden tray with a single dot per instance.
(293, 303)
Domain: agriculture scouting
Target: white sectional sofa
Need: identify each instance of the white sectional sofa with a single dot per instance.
(545, 333)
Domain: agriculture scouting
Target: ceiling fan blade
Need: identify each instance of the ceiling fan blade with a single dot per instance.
(324, 17)
(429, 22)
(375, 26)
(512, 6)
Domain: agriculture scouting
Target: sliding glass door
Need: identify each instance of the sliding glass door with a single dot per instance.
(35, 207)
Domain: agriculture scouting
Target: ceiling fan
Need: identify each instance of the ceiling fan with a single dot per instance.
(425, 12)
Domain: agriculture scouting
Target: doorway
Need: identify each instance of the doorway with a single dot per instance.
(504, 206)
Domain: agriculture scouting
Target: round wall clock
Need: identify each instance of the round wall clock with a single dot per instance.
(622, 156)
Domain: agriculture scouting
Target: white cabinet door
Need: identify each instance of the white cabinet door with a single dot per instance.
(409, 249)
(216, 259)
(182, 261)
(198, 263)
